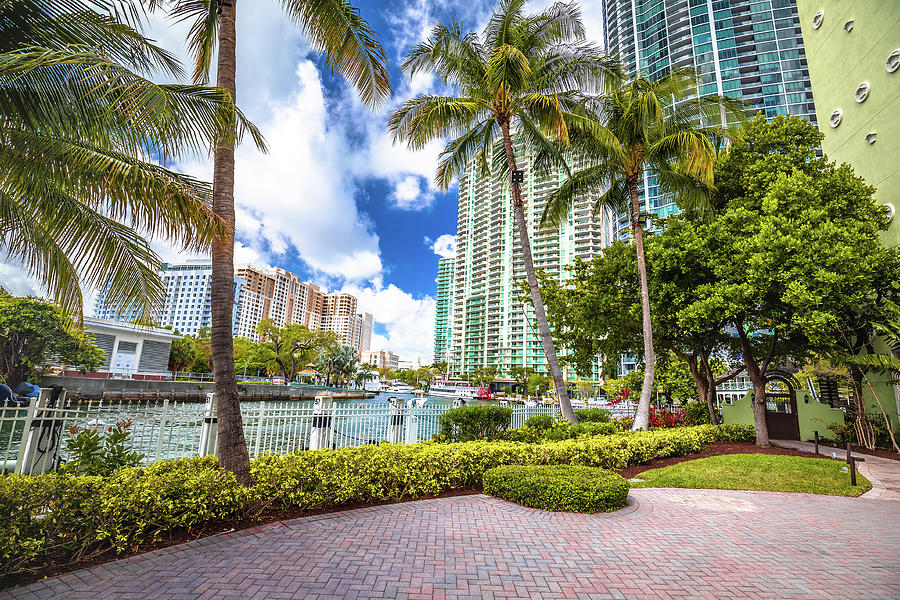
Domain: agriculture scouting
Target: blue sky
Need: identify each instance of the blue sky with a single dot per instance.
(334, 200)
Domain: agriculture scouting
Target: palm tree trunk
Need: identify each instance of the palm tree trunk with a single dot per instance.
(642, 417)
(539, 314)
(232, 447)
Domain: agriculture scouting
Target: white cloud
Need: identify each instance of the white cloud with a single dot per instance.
(408, 321)
(15, 280)
(409, 195)
(444, 246)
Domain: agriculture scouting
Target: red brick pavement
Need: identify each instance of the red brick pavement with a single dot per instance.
(665, 544)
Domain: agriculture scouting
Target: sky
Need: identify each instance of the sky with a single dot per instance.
(334, 200)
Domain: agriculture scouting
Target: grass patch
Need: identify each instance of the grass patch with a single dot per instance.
(764, 472)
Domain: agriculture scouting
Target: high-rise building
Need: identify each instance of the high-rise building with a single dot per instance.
(854, 68)
(747, 49)
(491, 325)
(443, 314)
(187, 304)
(282, 297)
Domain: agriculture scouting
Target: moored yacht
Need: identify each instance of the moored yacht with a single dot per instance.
(457, 389)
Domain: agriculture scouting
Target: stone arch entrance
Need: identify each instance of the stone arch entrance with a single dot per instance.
(782, 420)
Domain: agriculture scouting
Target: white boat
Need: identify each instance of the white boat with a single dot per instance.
(453, 389)
(398, 387)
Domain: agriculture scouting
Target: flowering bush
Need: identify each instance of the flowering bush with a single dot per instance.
(95, 453)
(667, 418)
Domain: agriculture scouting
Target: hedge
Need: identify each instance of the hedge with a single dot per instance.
(477, 422)
(558, 487)
(62, 518)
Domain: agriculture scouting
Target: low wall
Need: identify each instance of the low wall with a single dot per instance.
(88, 388)
(812, 415)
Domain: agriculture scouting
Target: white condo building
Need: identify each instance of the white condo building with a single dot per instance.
(187, 304)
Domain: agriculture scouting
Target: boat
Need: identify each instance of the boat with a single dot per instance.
(458, 390)
(398, 387)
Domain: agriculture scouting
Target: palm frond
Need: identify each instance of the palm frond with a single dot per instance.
(336, 28)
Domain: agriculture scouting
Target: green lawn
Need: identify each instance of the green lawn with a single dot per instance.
(766, 472)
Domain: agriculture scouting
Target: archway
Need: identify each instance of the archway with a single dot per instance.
(782, 420)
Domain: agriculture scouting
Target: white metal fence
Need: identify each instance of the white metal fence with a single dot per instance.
(169, 429)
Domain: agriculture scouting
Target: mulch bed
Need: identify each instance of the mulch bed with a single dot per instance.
(879, 452)
(715, 449)
(274, 514)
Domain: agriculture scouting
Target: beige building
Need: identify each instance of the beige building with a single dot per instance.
(284, 298)
(380, 358)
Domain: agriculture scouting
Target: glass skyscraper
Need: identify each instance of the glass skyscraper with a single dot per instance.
(747, 49)
(443, 318)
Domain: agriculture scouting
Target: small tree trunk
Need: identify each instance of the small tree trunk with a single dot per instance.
(536, 299)
(642, 417)
(710, 389)
(864, 434)
(232, 450)
(759, 406)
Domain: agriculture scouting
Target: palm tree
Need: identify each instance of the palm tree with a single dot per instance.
(522, 78)
(82, 135)
(636, 126)
(337, 29)
(365, 374)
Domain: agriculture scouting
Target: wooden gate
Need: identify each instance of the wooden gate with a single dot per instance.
(781, 408)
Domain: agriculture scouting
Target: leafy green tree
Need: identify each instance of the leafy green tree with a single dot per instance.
(538, 384)
(791, 246)
(36, 335)
(483, 376)
(79, 119)
(248, 358)
(182, 354)
(290, 348)
(636, 126)
(523, 77)
(334, 27)
(520, 374)
(338, 363)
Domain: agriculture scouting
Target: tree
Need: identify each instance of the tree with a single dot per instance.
(523, 77)
(349, 45)
(247, 357)
(791, 249)
(35, 335)
(290, 348)
(538, 385)
(182, 354)
(337, 362)
(365, 373)
(520, 374)
(79, 120)
(636, 126)
(483, 376)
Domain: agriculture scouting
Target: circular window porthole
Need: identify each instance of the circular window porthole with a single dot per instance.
(870, 137)
(835, 118)
(817, 19)
(889, 211)
(893, 61)
(862, 92)
(848, 26)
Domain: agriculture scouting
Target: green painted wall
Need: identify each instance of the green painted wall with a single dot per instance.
(811, 414)
(838, 63)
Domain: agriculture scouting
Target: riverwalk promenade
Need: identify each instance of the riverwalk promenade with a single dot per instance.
(666, 543)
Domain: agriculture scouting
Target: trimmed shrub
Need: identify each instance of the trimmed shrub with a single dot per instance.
(468, 423)
(61, 517)
(558, 487)
(697, 413)
(593, 415)
(539, 422)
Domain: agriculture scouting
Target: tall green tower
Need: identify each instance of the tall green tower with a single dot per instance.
(853, 51)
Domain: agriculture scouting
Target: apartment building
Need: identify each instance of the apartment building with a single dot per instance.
(186, 308)
(491, 326)
(380, 358)
(443, 315)
(747, 49)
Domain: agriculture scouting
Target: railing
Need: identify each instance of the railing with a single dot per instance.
(169, 429)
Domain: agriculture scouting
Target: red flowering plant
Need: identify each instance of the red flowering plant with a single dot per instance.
(667, 418)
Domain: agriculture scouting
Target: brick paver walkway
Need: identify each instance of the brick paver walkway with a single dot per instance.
(666, 544)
